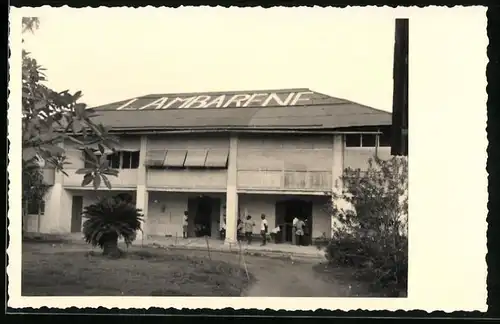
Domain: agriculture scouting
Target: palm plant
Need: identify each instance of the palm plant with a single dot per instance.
(109, 219)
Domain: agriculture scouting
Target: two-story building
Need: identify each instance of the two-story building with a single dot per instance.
(273, 152)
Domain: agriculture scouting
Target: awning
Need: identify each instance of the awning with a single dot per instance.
(217, 158)
(175, 158)
(155, 157)
(195, 158)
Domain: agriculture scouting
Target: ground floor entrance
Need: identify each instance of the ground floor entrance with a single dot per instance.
(76, 214)
(286, 211)
(204, 216)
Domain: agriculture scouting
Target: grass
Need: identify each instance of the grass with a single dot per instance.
(43, 238)
(358, 287)
(65, 270)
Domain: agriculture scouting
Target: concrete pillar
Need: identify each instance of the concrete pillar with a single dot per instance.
(337, 167)
(142, 196)
(141, 202)
(231, 192)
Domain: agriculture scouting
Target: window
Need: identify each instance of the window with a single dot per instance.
(35, 206)
(385, 139)
(117, 160)
(368, 140)
(352, 140)
(124, 160)
(88, 161)
(114, 160)
(130, 160)
(125, 197)
(360, 140)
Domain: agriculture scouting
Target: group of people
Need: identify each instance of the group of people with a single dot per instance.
(245, 229)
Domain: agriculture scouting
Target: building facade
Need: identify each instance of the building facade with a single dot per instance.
(219, 155)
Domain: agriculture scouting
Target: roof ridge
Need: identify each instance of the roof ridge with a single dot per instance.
(227, 92)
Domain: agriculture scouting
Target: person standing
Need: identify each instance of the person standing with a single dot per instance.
(294, 231)
(300, 232)
(185, 225)
(307, 234)
(263, 229)
(248, 228)
(222, 229)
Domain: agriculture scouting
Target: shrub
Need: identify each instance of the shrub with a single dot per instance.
(373, 238)
(34, 188)
(109, 219)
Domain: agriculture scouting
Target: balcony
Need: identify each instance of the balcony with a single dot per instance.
(127, 178)
(282, 180)
(205, 180)
(358, 157)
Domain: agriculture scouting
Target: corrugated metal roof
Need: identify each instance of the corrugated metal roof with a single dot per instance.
(314, 110)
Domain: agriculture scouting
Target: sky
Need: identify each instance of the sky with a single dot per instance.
(113, 56)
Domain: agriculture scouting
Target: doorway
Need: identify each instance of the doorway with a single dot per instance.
(286, 211)
(76, 214)
(202, 211)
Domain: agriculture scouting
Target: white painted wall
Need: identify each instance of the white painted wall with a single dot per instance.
(57, 216)
(166, 211)
(168, 222)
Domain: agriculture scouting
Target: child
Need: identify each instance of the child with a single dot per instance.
(263, 229)
(249, 224)
(185, 225)
(274, 234)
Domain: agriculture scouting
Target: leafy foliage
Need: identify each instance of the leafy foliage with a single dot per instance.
(51, 118)
(109, 219)
(34, 188)
(373, 237)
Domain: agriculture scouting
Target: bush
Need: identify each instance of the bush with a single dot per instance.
(372, 238)
(109, 219)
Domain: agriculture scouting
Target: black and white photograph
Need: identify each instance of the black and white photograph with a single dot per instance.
(246, 152)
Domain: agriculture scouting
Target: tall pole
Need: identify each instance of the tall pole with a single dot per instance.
(399, 145)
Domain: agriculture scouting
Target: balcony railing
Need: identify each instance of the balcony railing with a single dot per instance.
(187, 179)
(285, 180)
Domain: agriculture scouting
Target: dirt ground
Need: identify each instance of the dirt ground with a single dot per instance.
(65, 269)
